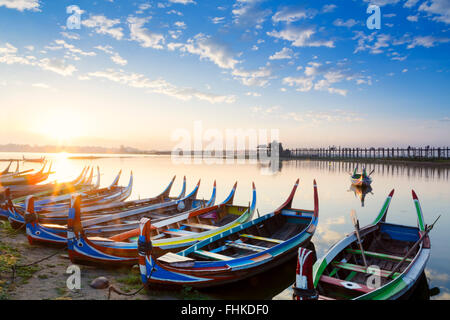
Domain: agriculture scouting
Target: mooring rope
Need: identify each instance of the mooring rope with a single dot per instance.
(112, 288)
(16, 266)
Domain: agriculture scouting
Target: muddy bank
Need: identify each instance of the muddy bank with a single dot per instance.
(47, 279)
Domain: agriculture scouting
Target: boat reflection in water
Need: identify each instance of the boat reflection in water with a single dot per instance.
(361, 192)
(264, 286)
(421, 291)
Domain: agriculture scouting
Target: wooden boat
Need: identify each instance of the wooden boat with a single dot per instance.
(361, 179)
(36, 160)
(15, 194)
(172, 234)
(47, 204)
(26, 179)
(108, 222)
(95, 196)
(390, 252)
(234, 254)
(6, 173)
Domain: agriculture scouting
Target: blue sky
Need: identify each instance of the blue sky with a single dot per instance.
(137, 70)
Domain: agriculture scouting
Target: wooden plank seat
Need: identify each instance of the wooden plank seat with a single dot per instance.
(325, 298)
(200, 226)
(245, 246)
(361, 269)
(345, 284)
(212, 255)
(378, 255)
(173, 258)
(178, 232)
(95, 238)
(250, 236)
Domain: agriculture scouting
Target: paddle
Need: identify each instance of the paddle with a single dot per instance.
(371, 172)
(429, 228)
(356, 225)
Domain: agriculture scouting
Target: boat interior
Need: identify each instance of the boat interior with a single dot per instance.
(256, 238)
(383, 248)
(198, 223)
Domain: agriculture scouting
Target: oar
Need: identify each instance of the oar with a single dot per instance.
(371, 172)
(356, 225)
(429, 228)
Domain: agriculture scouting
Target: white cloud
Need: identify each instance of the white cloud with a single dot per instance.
(439, 8)
(180, 24)
(413, 18)
(175, 12)
(21, 5)
(321, 76)
(70, 35)
(317, 117)
(209, 49)
(426, 41)
(161, 86)
(57, 65)
(341, 23)
(300, 37)
(74, 51)
(145, 37)
(303, 84)
(253, 94)
(29, 48)
(329, 8)
(217, 20)
(103, 25)
(405, 70)
(183, 1)
(117, 59)
(259, 77)
(382, 2)
(373, 42)
(285, 53)
(249, 13)
(289, 14)
(410, 3)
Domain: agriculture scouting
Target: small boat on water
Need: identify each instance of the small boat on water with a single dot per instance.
(168, 235)
(114, 219)
(381, 261)
(361, 179)
(232, 255)
(36, 160)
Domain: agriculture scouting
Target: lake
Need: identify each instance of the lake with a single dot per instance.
(336, 200)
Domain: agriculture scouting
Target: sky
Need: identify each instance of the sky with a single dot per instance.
(134, 72)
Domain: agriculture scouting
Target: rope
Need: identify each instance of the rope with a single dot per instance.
(15, 266)
(112, 288)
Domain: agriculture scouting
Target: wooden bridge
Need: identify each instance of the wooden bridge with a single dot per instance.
(410, 153)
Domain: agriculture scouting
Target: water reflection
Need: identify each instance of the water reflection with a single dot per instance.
(361, 192)
(424, 171)
(421, 291)
(153, 172)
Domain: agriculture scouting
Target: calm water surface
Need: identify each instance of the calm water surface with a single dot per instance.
(153, 173)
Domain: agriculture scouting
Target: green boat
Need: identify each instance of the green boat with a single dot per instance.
(381, 261)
